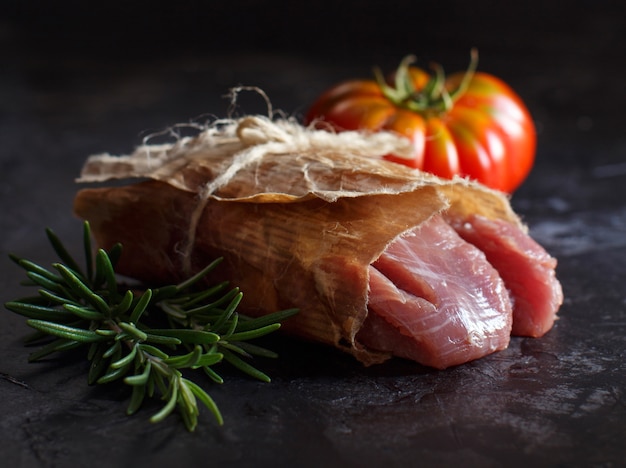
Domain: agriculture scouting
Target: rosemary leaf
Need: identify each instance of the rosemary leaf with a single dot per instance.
(65, 331)
(132, 330)
(171, 402)
(84, 312)
(204, 295)
(35, 300)
(214, 376)
(187, 336)
(98, 365)
(188, 402)
(32, 267)
(104, 270)
(251, 334)
(146, 348)
(141, 306)
(151, 384)
(186, 360)
(93, 348)
(235, 349)
(124, 305)
(258, 322)
(254, 350)
(126, 360)
(140, 379)
(162, 339)
(198, 276)
(45, 282)
(38, 312)
(77, 306)
(206, 399)
(230, 310)
(113, 374)
(189, 415)
(244, 367)
(114, 253)
(165, 292)
(55, 346)
(51, 297)
(162, 371)
(208, 359)
(61, 251)
(87, 251)
(113, 349)
(136, 399)
(80, 288)
(232, 326)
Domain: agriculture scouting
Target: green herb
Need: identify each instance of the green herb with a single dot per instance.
(89, 309)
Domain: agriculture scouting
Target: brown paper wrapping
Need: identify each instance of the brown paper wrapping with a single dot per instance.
(297, 214)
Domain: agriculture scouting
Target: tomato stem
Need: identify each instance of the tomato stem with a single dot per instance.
(434, 96)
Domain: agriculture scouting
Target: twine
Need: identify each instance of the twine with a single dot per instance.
(239, 143)
(260, 136)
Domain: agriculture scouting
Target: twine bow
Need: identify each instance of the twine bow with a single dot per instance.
(260, 136)
(237, 143)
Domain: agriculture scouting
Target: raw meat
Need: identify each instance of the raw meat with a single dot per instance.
(526, 268)
(299, 217)
(435, 299)
(454, 290)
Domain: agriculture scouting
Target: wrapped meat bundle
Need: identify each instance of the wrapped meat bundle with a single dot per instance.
(380, 259)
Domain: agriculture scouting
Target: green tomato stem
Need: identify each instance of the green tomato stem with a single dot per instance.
(433, 97)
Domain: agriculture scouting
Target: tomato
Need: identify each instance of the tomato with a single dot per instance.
(469, 124)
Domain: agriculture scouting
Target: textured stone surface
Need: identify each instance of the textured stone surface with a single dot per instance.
(555, 401)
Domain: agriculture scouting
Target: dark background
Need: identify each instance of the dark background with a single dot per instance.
(565, 57)
(79, 78)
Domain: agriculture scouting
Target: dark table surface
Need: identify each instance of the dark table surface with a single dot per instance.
(77, 81)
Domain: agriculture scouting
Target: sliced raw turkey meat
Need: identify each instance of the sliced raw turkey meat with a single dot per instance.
(454, 290)
(379, 259)
(526, 268)
(435, 299)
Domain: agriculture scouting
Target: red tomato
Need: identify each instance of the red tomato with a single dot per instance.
(469, 124)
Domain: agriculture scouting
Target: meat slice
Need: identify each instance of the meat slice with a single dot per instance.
(435, 299)
(526, 268)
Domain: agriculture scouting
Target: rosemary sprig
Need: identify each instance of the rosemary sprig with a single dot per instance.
(88, 308)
